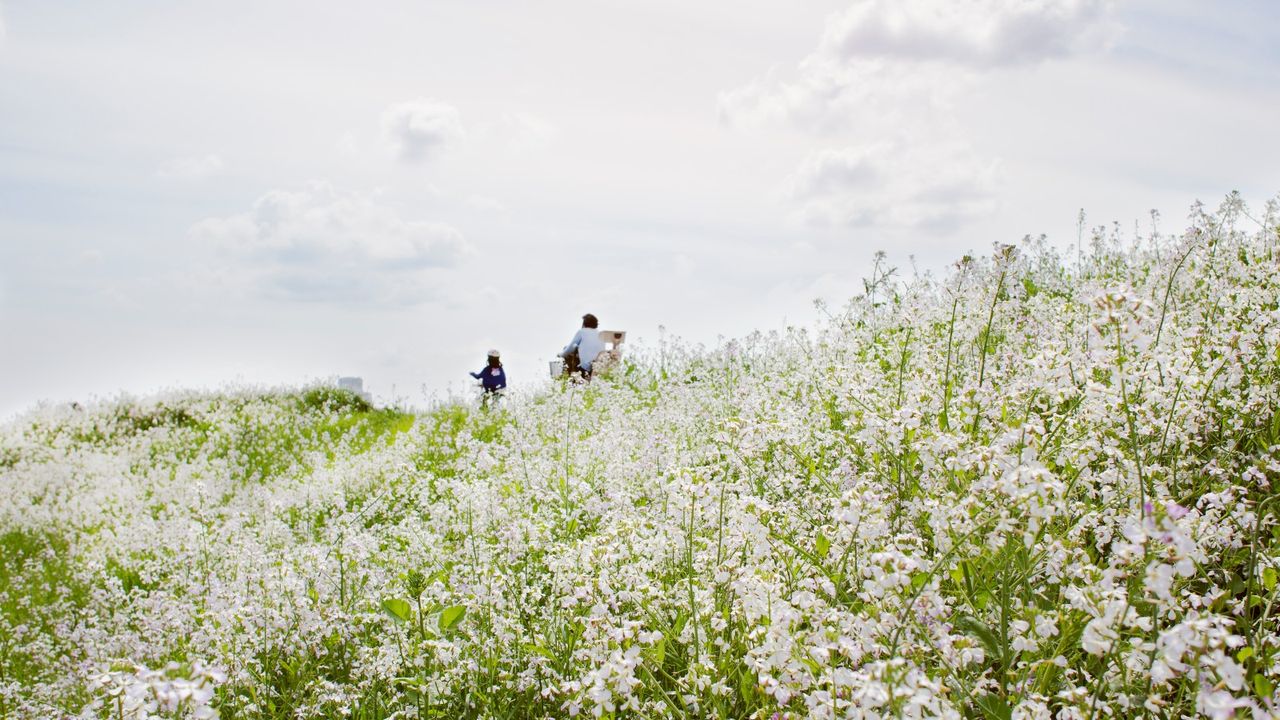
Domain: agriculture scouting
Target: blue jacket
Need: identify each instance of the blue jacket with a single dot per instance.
(494, 379)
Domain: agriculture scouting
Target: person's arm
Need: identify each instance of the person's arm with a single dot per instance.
(502, 380)
(573, 344)
(476, 375)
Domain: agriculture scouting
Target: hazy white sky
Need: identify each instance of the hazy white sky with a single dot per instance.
(199, 193)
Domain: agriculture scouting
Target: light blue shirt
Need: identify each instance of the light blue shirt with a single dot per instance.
(589, 345)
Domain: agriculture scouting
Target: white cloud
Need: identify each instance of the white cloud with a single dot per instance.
(969, 32)
(894, 184)
(827, 96)
(191, 168)
(418, 129)
(319, 244)
(914, 56)
(839, 170)
(521, 130)
(887, 79)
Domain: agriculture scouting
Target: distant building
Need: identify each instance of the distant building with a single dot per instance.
(355, 385)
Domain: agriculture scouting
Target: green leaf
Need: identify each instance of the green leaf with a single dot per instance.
(451, 615)
(659, 651)
(974, 627)
(1244, 654)
(994, 707)
(919, 579)
(813, 665)
(678, 626)
(746, 687)
(532, 648)
(1269, 579)
(824, 546)
(967, 571)
(1262, 685)
(398, 609)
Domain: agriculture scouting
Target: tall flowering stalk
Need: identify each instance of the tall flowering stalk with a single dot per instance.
(1029, 489)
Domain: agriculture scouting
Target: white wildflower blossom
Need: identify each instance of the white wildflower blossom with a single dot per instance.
(1032, 488)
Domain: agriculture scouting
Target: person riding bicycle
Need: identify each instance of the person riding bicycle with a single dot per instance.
(585, 346)
(492, 376)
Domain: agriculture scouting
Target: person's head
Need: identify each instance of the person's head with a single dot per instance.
(495, 360)
(590, 321)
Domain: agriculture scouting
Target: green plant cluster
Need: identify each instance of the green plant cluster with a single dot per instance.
(1041, 486)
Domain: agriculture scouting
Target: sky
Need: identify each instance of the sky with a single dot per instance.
(215, 194)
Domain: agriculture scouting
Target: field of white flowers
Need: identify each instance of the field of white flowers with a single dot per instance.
(1040, 486)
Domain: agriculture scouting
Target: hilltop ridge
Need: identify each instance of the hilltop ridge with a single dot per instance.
(1036, 485)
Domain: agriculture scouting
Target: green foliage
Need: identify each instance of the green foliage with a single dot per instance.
(129, 577)
(1003, 493)
(41, 594)
(333, 400)
(9, 457)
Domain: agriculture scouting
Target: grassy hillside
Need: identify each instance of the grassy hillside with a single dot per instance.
(1036, 487)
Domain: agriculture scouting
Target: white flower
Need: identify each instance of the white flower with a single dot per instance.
(1218, 704)
(1099, 636)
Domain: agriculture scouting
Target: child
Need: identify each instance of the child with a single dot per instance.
(492, 376)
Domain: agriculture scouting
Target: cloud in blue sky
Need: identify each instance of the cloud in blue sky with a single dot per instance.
(916, 54)
(885, 80)
(969, 32)
(319, 244)
(935, 187)
(418, 129)
(587, 168)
